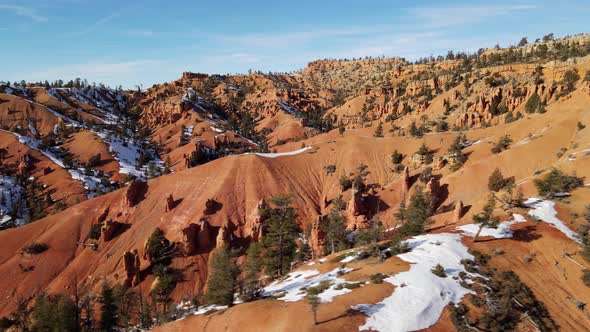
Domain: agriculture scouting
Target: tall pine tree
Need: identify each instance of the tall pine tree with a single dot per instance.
(281, 231)
(222, 278)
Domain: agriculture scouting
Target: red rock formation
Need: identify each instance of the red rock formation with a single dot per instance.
(191, 239)
(110, 229)
(406, 181)
(317, 235)
(435, 190)
(169, 203)
(135, 192)
(355, 211)
(24, 164)
(205, 239)
(132, 268)
(458, 212)
(253, 226)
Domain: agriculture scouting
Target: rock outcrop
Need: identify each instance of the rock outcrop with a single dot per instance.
(317, 235)
(170, 203)
(253, 226)
(458, 211)
(136, 192)
(132, 268)
(109, 229)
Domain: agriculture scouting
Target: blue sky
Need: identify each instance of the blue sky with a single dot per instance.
(146, 42)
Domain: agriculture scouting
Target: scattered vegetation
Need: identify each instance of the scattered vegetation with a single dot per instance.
(34, 248)
(502, 144)
(557, 182)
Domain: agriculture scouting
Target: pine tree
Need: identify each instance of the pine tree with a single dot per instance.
(314, 303)
(222, 278)
(486, 217)
(417, 214)
(335, 227)
(379, 130)
(496, 180)
(108, 308)
(281, 231)
(252, 286)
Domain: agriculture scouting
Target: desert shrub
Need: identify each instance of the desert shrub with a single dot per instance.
(399, 246)
(586, 277)
(396, 157)
(330, 169)
(94, 160)
(377, 278)
(497, 182)
(345, 183)
(581, 125)
(502, 144)
(439, 271)
(35, 248)
(556, 181)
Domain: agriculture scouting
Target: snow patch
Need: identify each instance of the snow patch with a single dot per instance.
(545, 211)
(420, 296)
(281, 154)
(294, 285)
(503, 231)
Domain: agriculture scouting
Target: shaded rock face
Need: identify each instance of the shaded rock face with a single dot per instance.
(198, 238)
(253, 227)
(110, 229)
(24, 164)
(225, 234)
(406, 181)
(170, 203)
(132, 268)
(3, 154)
(433, 187)
(458, 212)
(317, 235)
(136, 192)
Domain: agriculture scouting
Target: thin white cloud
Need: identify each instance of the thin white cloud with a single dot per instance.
(26, 12)
(145, 33)
(437, 17)
(96, 25)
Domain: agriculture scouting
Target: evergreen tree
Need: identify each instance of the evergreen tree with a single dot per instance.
(314, 303)
(379, 130)
(222, 278)
(486, 217)
(335, 228)
(496, 180)
(417, 214)
(108, 308)
(281, 231)
(252, 287)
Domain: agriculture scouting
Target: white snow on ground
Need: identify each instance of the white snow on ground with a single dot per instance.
(350, 257)
(189, 131)
(33, 130)
(91, 183)
(281, 154)
(294, 285)
(10, 195)
(288, 108)
(420, 296)
(503, 230)
(468, 143)
(545, 211)
(217, 130)
(126, 152)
